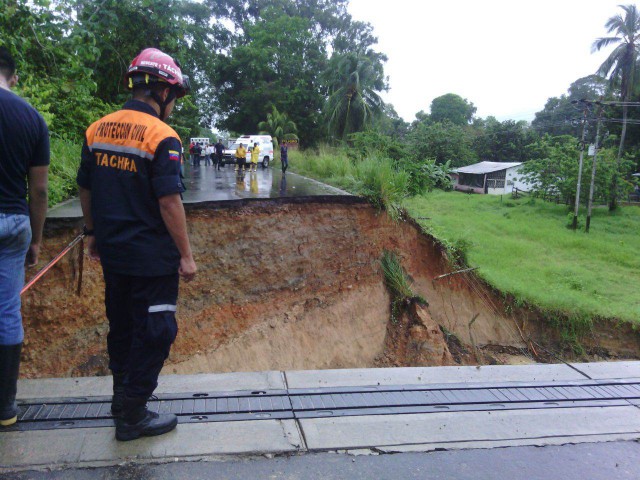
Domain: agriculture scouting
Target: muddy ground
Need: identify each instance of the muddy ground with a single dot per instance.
(297, 284)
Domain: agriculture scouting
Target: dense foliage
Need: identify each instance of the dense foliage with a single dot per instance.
(244, 58)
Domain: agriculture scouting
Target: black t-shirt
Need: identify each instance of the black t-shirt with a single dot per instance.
(219, 148)
(130, 159)
(24, 143)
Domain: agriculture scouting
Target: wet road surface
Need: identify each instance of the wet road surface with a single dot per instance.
(206, 183)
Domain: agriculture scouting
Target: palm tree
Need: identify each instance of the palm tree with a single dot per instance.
(354, 80)
(620, 66)
(278, 126)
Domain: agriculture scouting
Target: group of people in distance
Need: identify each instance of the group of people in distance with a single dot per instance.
(211, 154)
(241, 158)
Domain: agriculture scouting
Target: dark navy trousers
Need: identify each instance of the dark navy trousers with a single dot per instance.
(142, 327)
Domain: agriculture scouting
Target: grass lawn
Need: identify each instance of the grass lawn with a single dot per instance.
(523, 247)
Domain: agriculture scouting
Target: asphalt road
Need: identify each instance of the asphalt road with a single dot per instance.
(206, 184)
(587, 461)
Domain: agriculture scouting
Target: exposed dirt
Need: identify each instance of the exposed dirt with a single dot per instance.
(297, 284)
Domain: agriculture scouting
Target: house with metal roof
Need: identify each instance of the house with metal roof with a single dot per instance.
(493, 178)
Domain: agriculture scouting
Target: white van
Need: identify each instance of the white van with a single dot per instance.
(264, 142)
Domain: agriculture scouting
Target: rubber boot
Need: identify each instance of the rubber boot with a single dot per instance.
(9, 369)
(117, 401)
(137, 421)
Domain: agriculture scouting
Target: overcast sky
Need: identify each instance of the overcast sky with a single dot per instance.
(506, 56)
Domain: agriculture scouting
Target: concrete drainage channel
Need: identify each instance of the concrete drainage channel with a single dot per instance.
(91, 412)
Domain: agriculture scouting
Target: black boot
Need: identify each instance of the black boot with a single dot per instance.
(137, 421)
(117, 401)
(9, 368)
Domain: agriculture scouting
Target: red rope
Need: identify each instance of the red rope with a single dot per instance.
(55, 260)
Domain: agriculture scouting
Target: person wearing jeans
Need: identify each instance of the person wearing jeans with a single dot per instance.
(24, 167)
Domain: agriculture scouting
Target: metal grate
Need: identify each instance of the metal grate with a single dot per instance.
(345, 401)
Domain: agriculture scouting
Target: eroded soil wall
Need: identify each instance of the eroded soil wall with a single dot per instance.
(281, 285)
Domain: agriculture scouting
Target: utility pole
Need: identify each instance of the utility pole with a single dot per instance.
(593, 170)
(574, 224)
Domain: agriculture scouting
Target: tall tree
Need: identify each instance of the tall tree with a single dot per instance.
(560, 116)
(276, 64)
(620, 66)
(354, 80)
(442, 141)
(278, 126)
(503, 141)
(453, 108)
(391, 124)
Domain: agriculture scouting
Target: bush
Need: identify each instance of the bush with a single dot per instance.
(65, 160)
(396, 279)
(376, 178)
(370, 143)
(426, 175)
(381, 183)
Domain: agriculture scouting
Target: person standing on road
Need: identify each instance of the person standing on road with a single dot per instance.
(219, 151)
(24, 169)
(255, 156)
(197, 150)
(192, 147)
(284, 157)
(203, 154)
(208, 160)
(130, 189)
(241, 158)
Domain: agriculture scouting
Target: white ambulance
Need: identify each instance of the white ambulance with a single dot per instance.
(265, 143)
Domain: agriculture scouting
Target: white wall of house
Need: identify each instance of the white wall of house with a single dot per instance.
(514, 180)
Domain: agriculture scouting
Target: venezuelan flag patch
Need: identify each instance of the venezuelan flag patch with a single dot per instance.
(174, 155)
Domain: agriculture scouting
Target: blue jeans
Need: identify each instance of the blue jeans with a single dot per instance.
(15, 237)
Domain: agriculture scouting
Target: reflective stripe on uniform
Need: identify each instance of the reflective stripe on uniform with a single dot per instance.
(120, 149)
(162, 308)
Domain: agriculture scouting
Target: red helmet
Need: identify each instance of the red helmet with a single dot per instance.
(151, 66)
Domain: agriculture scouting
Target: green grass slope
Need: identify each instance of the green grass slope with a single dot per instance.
(522, 247)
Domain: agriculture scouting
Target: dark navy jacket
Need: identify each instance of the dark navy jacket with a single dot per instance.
(130, 159)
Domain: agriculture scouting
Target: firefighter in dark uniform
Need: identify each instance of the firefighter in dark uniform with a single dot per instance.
(130, 191)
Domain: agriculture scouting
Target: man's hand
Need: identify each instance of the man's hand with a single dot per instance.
(175, 220)
(187, 269)
(92, 250)
(32, 254)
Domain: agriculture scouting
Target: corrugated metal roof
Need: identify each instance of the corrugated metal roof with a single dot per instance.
(487, 167)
